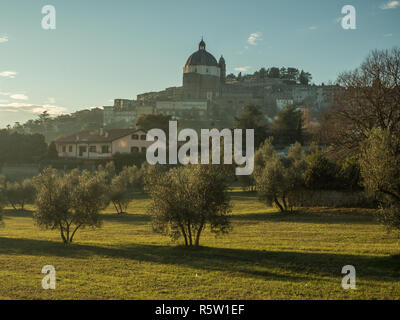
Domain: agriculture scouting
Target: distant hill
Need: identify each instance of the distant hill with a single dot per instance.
(63, 125)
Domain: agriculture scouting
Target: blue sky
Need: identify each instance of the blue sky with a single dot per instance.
(103, 50)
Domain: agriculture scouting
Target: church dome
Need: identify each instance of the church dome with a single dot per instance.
(201, 57)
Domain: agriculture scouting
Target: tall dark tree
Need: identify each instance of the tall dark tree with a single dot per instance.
(153, 121)
(21, 148)
(274, 73)
(252, 118)
(304, 78)
(52, 153)
(287, 127)
(292, 74)
(262, 73)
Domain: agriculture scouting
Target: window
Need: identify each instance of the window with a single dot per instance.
(143, 137)
(135, 137)
(105, 149)
(143, 149)
(64, 148)
(82, 150)
(134, 149)
(92, 149)
(70, 149)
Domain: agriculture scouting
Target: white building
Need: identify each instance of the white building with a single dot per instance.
(102, 144)
(281, 103)
(183, 108)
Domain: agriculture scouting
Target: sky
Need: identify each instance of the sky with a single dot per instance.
(102, 50)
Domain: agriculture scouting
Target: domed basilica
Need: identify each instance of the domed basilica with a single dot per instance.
(203, 75)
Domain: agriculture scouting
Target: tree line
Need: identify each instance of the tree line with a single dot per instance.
(184, 200)
(22, 148)
(290, 75)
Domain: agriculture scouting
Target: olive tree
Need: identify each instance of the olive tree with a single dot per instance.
(277, 177)
(69, 201)
(121, 185)
(19, 194)
(187, 199)
(380, 170)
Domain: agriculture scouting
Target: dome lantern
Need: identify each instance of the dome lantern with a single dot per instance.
(201, 57)
(202, 45)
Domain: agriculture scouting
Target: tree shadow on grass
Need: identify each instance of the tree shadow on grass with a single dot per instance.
(8, 213)
(306, 217)
(108, 217)
(126, 218)
(253, 263)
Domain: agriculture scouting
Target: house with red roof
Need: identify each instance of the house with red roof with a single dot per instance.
(102, 144)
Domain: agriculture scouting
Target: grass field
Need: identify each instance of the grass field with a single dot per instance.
(268, 255)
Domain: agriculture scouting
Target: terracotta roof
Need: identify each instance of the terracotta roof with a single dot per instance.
(98, 135)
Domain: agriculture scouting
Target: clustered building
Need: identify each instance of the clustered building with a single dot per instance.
(208, 94)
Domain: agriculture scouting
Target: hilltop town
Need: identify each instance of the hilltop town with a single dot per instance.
(208, 93)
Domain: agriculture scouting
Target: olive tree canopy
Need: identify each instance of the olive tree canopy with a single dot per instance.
(187, 199)
(69, 201)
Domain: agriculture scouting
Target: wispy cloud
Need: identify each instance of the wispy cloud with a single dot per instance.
(15, 105)
(254, 38)
(24, 106)
(390, 5)
(312, 28)
(51, 110)
(8, 74)
(32, 108)
(19, 96)
(387, 35)
(243, 69)
(3, 39)
(15, 96)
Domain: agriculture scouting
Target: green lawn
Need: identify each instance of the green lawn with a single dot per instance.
(268, 255)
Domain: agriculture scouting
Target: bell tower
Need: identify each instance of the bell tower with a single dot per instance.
(222, 67)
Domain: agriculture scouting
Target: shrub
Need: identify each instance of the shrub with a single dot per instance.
(19, 194)
(321, 174)
(380, 170)
(121, 185)
(277, 177)
(68, 202)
